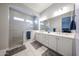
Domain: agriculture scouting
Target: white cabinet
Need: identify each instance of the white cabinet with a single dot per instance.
(37, 36)
(67, 46)
(43, 38)
(64, 46)
(52, 42)
(59, 45)
(46, 40)
(40, 37)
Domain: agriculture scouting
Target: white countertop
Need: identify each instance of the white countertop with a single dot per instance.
(68, 35)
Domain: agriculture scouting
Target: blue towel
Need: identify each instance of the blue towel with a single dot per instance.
(73, 25)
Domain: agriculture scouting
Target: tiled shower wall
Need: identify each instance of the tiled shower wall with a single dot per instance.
(17, 28)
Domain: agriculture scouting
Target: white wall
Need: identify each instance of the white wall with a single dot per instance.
(4, 26)
(77, 28)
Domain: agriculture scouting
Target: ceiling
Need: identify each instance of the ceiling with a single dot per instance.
(38, 7)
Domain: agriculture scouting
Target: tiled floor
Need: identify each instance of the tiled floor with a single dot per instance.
(31, 51)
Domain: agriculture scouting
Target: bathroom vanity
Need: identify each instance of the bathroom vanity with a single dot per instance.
(63, 43)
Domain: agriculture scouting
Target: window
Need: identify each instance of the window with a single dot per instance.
(19, 19)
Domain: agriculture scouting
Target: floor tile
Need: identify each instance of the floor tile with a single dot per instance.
(31, 51)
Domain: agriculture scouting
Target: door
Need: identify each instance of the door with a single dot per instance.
(59, 45)
(37, 36)
(67, 46)
(46, 39)
(52, 42)
(64, 46)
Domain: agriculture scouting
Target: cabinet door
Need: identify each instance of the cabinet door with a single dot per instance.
(64, 46)
(67, 46)
(40, 37)
(36, 36)
(59, 45)
(46, 40)
(43, 37)
(52, 42)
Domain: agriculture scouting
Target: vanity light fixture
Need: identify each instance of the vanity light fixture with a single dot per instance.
(61, 11)
(65, 9)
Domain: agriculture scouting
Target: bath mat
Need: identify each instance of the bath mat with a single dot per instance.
(49, 52)
(36, 44)
(15, 50)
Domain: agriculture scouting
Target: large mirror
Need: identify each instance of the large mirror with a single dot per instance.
(60, 20)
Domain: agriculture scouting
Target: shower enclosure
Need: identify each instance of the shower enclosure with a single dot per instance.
(18, 25)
